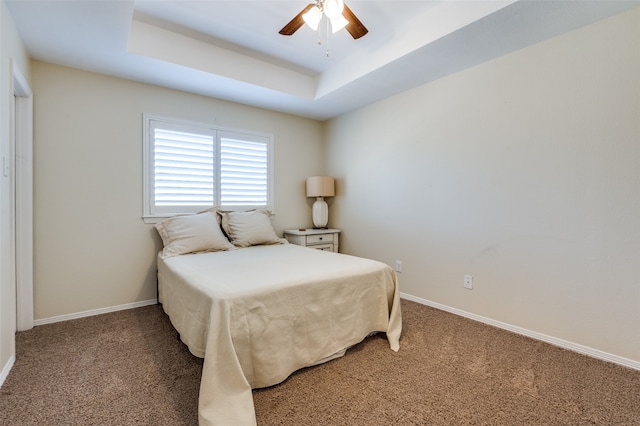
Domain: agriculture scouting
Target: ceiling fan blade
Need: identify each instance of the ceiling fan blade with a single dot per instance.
(295, 24)
(355, 27)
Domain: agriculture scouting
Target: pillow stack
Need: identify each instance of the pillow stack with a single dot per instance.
(249, 228)
(216, 230)
(192, 234)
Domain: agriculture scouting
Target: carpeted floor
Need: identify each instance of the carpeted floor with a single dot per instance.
(128, 368)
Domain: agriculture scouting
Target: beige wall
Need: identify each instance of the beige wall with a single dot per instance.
(11, 49)
(92, 249)
(523, 172)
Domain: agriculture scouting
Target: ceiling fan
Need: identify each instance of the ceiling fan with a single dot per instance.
(336, 11)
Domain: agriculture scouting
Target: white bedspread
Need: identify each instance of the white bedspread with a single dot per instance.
(258, 314)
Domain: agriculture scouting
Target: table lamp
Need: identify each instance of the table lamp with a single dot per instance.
(320, 187)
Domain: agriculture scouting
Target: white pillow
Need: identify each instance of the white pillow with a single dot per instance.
(250, 228)
(191, 234)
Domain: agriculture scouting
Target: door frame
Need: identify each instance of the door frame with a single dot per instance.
(22, 139)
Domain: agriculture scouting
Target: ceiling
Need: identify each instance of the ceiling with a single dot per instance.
(232, 50)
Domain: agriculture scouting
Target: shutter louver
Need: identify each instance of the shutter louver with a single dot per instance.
(243, 172)
(183, 168)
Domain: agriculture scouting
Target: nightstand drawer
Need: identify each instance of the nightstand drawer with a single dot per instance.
(320, 238)
(324, 247)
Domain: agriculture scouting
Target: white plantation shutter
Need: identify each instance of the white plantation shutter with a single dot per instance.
(191, 167)
(243, 172)
(183, 168)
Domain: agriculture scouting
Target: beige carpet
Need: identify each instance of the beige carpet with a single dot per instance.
(128, 368)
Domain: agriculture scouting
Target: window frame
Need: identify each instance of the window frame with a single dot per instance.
(151, 213)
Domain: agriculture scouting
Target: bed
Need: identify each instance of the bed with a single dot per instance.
(257, 312)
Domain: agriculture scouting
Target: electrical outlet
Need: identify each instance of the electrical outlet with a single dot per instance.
(398, 265)
(468, 282)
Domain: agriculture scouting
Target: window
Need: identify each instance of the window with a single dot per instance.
(189, 167)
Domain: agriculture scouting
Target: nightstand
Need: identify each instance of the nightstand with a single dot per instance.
(320, 239)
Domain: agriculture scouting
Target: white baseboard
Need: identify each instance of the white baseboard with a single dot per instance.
(585, 350)
(92, 312)
(5, 370)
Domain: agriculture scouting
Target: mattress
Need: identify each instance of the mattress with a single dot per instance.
(258, 314)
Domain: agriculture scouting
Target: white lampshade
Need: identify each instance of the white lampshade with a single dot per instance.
(319, 187)
(312, 17)
(333, 8)
(338, 23)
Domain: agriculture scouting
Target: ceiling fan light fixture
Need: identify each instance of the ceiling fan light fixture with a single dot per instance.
(333, 8)
(312, 17)
(338, 23)
(337, 13)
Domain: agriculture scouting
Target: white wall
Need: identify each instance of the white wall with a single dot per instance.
(524, 172)
(11, 49)
(91, 247)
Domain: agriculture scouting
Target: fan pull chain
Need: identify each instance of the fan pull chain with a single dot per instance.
(320, 34)
(327, 35)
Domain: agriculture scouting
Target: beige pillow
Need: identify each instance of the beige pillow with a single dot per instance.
(191, 234)
(249, 228)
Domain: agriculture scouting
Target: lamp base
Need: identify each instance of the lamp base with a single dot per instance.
(320, 213)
